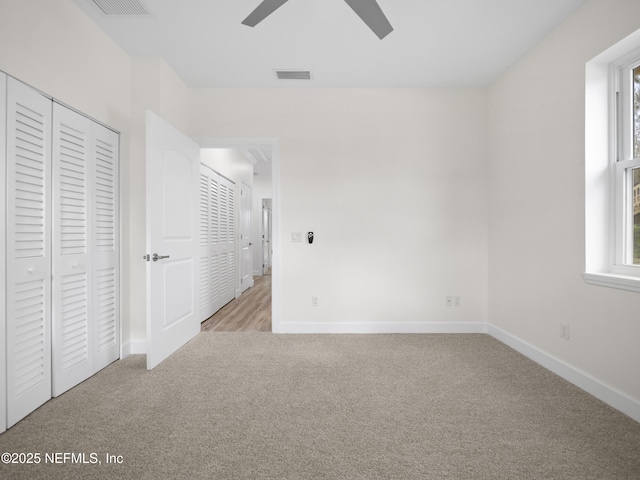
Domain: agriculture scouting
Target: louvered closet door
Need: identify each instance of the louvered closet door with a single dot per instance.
(217, 242)
(85, 248)
(203, 243)
(105, 340)
(28, 250)
(3, 246)
(227, 247)
(214, 240)
(72, 286)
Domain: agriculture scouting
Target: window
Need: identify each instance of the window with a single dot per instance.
(626, 133)
(612, 166)
(635, 180)
(636, 216)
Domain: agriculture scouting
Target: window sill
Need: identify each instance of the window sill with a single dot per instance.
(611, 280)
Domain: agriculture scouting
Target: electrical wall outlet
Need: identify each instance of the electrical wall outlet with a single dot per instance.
(452, 301)
(564, 331)
(314, 301)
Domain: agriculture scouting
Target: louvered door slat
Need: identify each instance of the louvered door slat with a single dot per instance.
(223, 213)
(30, 365)
(231, 214)
(30, 154)
(74, 333)
(71, 188)
(105, 199)
(105, 312)
(215, 281)
(214, 210)
(28, 259)
(205, 288)
(204, 210)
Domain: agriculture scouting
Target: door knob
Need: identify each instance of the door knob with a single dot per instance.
(157, 257)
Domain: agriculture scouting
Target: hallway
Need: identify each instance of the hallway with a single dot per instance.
(251, 312)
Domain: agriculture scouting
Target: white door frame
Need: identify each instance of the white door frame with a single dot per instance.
(236, 142)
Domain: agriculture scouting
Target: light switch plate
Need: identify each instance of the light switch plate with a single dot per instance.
(296, 236)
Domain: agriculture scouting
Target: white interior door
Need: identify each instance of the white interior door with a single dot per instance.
(246, 257)
(173, 171)
(28, 259)
(266, 237)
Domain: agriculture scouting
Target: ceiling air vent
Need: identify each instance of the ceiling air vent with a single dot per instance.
(122, 7)
(293, 74)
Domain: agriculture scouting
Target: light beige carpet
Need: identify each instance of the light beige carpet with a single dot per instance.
(263, 406)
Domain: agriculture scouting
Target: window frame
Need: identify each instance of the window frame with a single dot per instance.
(623, 161)
(605, 234)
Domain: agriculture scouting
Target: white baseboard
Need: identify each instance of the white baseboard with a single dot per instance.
(382, 327)
(607, 394)
(133, 348)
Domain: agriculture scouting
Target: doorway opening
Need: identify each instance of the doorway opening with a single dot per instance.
(254, 309)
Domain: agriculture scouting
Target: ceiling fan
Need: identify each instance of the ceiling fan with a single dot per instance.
(368, 10)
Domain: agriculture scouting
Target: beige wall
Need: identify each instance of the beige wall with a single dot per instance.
(393, 187)
(53, 46)
(536, 204)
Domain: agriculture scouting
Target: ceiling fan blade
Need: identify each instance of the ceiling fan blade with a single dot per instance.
(371, 14)
(262, 11)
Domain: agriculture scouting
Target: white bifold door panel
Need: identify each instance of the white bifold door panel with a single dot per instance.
(246, 252)
(173, 174)
(226, 247)
(105, 240)
(28, 250)
(3, 250)
(59, 257)
(85, 318)
(217, 244)
(72, 288)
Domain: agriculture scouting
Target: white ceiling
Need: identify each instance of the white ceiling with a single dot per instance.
(434, 42)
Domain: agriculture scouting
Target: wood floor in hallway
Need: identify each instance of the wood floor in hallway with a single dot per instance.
(251, 312)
